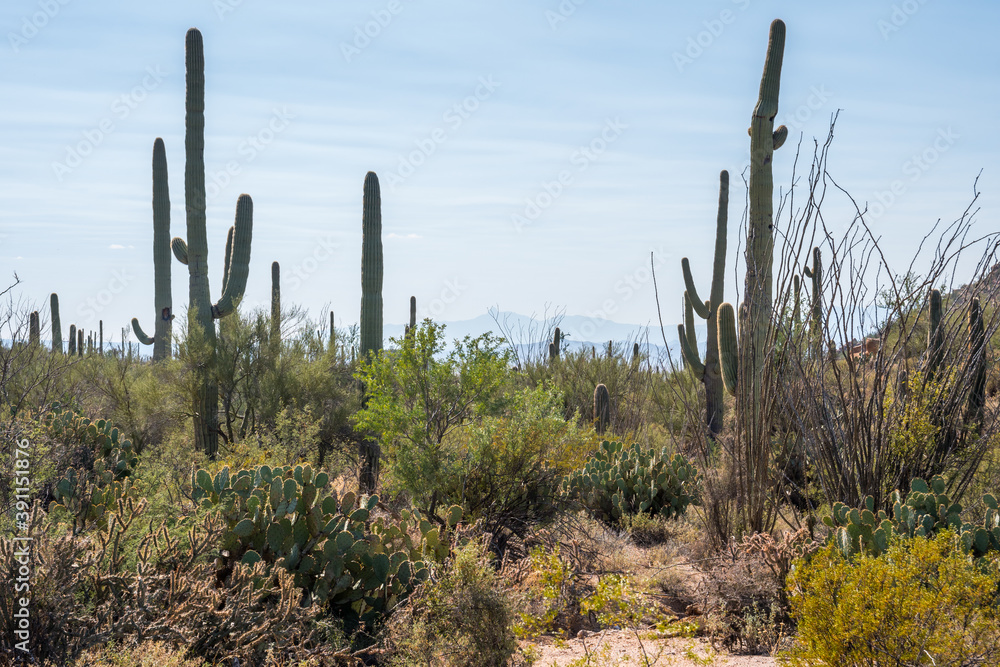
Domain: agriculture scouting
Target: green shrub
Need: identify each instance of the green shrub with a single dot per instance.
(620, 480)
(922, 602)
(462, 618)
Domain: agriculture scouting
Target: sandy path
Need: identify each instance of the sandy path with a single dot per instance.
(612, 648)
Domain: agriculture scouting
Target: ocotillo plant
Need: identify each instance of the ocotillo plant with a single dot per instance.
(554, 345)
(275, 303)
(162, 299)
(709, 372)
(816, 305)
(56, 326)
(935, 334)
(371, 308)
(202, 313)
(71, 347)
(602, 409)
(756, 333)
(33, 332)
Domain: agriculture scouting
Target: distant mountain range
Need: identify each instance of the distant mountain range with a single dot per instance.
(531, 335)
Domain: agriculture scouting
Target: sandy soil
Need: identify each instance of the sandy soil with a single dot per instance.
(612, 648)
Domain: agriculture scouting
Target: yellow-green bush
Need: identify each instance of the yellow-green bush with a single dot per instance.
(922, 602)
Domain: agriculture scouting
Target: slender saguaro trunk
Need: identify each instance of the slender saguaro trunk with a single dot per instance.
(371, 309)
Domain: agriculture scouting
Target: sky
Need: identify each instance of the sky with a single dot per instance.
(531, 153)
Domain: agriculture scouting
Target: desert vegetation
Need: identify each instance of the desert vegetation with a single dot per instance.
(265, 489)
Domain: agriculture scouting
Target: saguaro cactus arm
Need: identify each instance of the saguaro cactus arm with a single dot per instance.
(239, 262)
(180, 248)
(689, 339)
(728, 350)
(140, 334)
(162, 298)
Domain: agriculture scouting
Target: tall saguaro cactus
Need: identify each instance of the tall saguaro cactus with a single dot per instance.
(744, 365)
(371, 267)
(202, 313)
(371, 308)
(710, 372)
(935, 334)
(162, 299)
(412, 326)
(56, 326)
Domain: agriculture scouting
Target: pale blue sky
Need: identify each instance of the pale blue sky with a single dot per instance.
(343, 106)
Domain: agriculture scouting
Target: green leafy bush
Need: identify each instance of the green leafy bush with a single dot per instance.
(924, 601)
(620, 480)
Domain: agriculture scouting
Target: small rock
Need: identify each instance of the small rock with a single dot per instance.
(692, 610)
(581, 634)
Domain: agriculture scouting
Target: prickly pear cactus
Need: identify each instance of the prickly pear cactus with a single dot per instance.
(341, 553)
(87, 496)
(620, 480)
(924, 512)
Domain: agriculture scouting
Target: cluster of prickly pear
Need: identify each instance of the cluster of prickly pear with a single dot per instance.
(924, 512)
(620, 480)
(89, 495)
(339, 552)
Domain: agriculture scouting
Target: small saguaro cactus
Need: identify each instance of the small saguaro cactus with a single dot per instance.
(33, 332)
(275, 303)
(202, 313)
(602, 409)
(57, 345)
(816, 305)
(935, 333)
(100, 333)
(554, 345)
(79, 342)
(709, 372)
(333, 333)
(162, 298)
(412, 326)
(977, 363)
(635, 353)
(71, 348)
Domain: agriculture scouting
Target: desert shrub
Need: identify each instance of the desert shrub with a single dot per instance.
(620, 480)
(553, 596)
(416, 395)
(923, 602)
(645, 529)
(463, 617)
